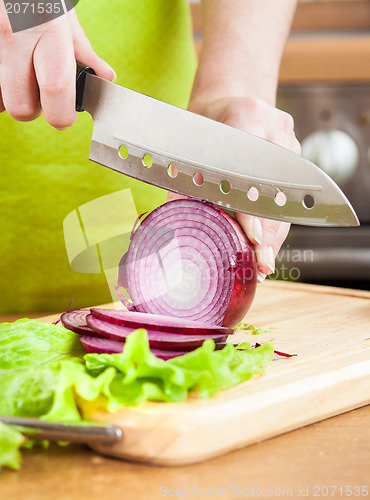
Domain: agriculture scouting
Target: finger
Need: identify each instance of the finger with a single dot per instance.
(270, 236)
(55, 69)
(254, 126)
(2, 108)
(281, 236)
(174, 196)
(19, 89)
(265, 259)
(274, 234)
(252, 227)
(295, 145)
(85, 54)
(289, 142)
(281, 131)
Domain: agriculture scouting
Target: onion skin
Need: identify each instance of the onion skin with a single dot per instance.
(232, 269)
(245, 284)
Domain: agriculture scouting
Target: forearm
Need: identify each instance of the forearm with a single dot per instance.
(236, 84)
(242, 47)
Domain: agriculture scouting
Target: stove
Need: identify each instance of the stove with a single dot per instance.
(332, 122)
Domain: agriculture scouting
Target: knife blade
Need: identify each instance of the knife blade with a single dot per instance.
(192, 155)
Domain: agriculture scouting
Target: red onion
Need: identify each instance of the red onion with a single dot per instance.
(157, 338)
(106, 346)
(190, 260)
(155, 322)
(75, 320)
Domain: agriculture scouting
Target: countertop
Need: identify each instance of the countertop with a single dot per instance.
(319, 460)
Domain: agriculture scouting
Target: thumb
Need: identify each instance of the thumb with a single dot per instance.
(85, 54)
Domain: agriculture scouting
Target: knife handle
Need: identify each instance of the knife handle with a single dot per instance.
(81, 72)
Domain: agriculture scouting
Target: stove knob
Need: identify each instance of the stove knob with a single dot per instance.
(333, 151)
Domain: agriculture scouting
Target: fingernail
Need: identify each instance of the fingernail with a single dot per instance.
(266, 259)
(114, 74)
(271, 259)
(61, 128)
(257, 229)
(261, 277)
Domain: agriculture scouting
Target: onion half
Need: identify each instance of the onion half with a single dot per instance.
(190, 260)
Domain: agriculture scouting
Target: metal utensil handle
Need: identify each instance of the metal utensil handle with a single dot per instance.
(51, 431)
(81, 72)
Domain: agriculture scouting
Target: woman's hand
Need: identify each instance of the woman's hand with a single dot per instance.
(263, 120)
(235, 83)
(38, 69)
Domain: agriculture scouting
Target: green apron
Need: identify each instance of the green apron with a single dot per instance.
(46, 174)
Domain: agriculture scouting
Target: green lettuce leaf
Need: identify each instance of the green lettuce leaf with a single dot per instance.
(26, 343)
(44, 373)
(10, 442)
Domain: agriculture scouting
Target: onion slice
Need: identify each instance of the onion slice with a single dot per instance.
(157, 322)
(100, 345)
(106, 346)
(190, 260)
(75, 320)
(157, 338)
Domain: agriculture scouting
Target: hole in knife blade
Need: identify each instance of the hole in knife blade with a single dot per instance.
(225, 187)
(253, 194)
(198, 179)
(280, 199)
(147, 161)
(172, 170)
(123, 152)
(308, 201)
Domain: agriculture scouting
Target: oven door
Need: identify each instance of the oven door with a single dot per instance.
(332, 122)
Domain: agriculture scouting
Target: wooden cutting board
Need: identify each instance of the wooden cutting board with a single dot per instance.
(328, 329)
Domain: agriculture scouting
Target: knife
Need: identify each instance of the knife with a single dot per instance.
(40, 430)
(195, 156)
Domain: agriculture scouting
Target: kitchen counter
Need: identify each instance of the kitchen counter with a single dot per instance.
(332, 454)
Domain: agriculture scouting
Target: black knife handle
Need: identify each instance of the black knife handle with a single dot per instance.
(81, 73)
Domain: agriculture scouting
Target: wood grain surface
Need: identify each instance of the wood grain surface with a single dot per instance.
(334, 452)
(329, 332)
